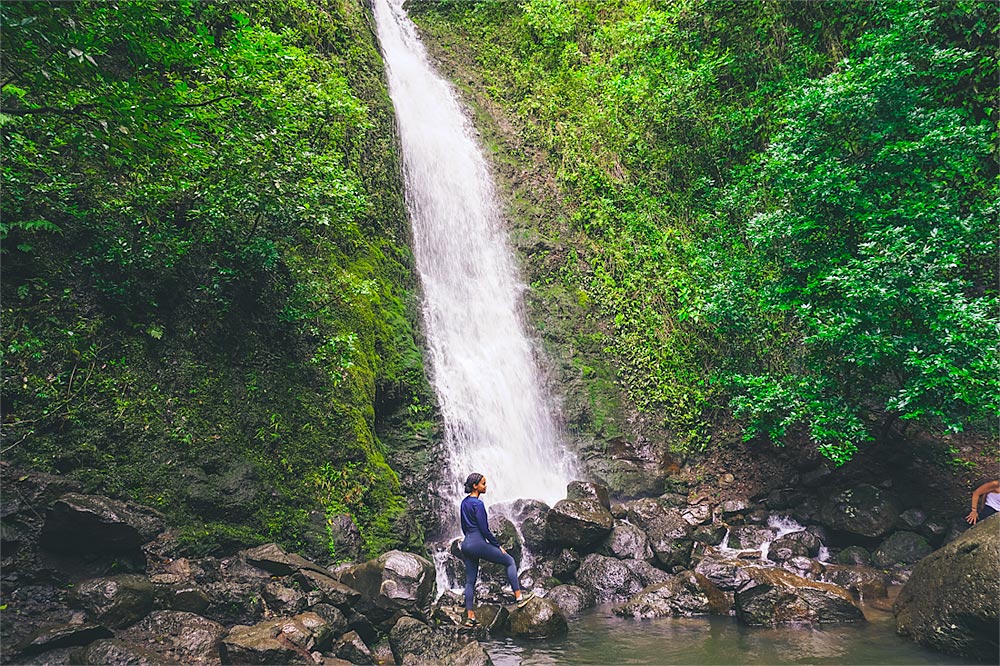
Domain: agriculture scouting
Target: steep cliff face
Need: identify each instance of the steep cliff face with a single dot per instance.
(209, 298)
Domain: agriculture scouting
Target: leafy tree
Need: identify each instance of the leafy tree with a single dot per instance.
(881, 232)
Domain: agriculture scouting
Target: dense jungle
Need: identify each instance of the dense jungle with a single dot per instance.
(760, 265)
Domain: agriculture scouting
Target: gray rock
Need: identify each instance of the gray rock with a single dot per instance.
(283, 600)
(345, 538)
(353, 649)
(115, 602)
(670, 539)
(912, 519)
(283, 641)
(529, 516)
(951, 603)
(587, 490)
(854, 556)
(183, 596)
(608, 578)
(64, 635)
(571, 599)
(864, 583)
(726, 574)
(333, 591)
(711, 535)
(862, 510)
(394, 582)
(775, 597)
(578, 523)
(749, 537)
(85, 524)
(272, 557)
(902, 548)
(732, 507)
(179, 636)
(413, 642)
(565, 564)
(699, 514)
(795, 544)
(540, 618)
(113, 652)
(777, 499)
(627, 542)
(681, 595)
(333, 616)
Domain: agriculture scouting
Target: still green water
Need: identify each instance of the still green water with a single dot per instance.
(599, 637)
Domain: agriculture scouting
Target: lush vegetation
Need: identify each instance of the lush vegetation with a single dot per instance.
(206, 279)
(785, 210)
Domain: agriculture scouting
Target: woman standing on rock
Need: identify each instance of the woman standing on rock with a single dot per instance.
(480, 544)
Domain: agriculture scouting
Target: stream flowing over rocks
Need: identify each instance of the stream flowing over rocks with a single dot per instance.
(129, 598)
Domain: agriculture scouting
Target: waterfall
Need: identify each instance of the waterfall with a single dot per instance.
(498, 420)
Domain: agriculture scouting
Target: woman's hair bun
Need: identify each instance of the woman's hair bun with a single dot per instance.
(473, 479)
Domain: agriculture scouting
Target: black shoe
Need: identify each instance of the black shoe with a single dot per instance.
(525, 598)
(470, 623)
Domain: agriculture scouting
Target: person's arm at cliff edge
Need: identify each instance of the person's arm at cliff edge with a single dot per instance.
(988, 487)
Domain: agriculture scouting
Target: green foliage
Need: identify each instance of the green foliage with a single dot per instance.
(205, 277)
(781, 208)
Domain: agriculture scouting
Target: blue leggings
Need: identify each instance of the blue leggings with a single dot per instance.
(475, 548)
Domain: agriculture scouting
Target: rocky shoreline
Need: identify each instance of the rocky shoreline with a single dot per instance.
(93, 580)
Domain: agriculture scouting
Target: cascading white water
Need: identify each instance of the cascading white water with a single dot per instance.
(496, 415)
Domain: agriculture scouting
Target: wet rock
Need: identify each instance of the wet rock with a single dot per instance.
(84, 524)
(864, 583)
(854, 556)
(912, 519)
(804, 566)
(345, 538)
(749, 537)
(113, 652)
(333, 591)
(775, 597)
(565, 564)
(861, 511)
(529, 516)
(626, 542)
(578, 523)
(670, 539)
(681, 595)
(726, 574)
(283, 600)
(571, 599)
(182, 596)
(733, 507)
(777, 499)
(609, 578)
(394, 582)
(699, 514)
(901, 548)
(64, 635)
(587, 490)
(282, 641)
(711, 535)
(115, 602)
(934, 530)
(951, 603)
(333, 616)
(795, 544)
(804, 509)
(540, 618)
(413, 642)
(353, 649)
(272, 558)
(179, 636)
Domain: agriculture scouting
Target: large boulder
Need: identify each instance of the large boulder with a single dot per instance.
(951, 602)
(861, 511)
(289, 640)
(540, 618)
(87, 524)
(749, 537)
(63, 635)
(529, 516)
(116, 652)
(178, 636)
(668, 532)
(396, 582)
(272, 558)
(680, 595)
(626, 542)
(726, 574)
(608, 578)
(902, 548)
(864, 583)
(588, 490)
(413, 642)
(774, 597)
(115, 602)
(332, 591)
(571, 599)
(578, 523)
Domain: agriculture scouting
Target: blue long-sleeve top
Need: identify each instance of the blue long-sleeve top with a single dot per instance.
(473, 513)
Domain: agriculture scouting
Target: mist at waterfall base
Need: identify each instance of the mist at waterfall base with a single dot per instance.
(498, 419)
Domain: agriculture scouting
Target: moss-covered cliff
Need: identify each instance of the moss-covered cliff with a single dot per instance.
(209, 303)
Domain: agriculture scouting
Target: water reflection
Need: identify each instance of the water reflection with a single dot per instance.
(599, 637)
